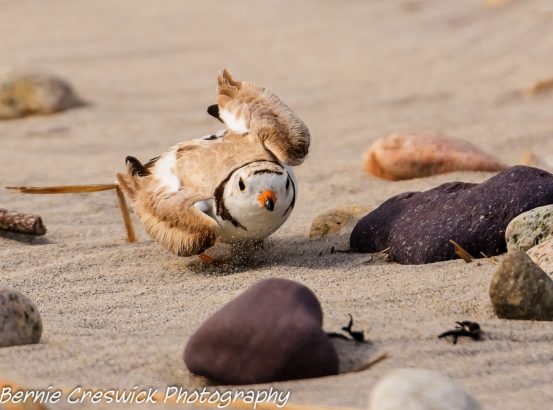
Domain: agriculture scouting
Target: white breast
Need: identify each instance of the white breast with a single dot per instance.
(259, 223)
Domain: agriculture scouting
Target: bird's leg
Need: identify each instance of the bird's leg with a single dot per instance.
(210, 260)
(80, 189)
(131, 234)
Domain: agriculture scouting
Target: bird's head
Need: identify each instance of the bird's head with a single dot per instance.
(259, 193)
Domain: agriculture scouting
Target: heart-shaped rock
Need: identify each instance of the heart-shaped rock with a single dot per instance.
(271, 332)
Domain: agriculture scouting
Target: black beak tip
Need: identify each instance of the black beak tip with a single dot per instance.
(269, 205)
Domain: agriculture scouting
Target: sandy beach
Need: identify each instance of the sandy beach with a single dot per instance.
(117, 315)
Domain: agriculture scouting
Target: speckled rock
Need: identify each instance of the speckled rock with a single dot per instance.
(530, 228)
(269, 333)
(335, 220)
(417, 226)
(20, 321)
(405, 156)
(419, 389)
(29, 93)
(521, 290)
(542, 255)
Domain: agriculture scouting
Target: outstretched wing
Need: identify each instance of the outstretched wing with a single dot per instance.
(171, 217)
(248, 108)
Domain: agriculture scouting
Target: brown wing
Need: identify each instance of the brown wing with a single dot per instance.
(247, 108)
(170, 218)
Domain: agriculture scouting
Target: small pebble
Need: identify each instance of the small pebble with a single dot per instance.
(542, 255)
(271, 332)
(406, 156)
(20, 321)
(419, 389)
(520, 289)
(417, 226)
(23, 94)
(332, 222)
(530, 228)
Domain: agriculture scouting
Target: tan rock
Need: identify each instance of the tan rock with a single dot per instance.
(23, 94)
(520, 290)
(542, 255)
(335, 220)
(405, 156)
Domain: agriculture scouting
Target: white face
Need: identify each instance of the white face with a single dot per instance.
(259, 197)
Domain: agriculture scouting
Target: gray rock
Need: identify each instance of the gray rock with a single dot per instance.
(542, 255)
(31, 93)
(20, 321)
(419, 389)
(530, 228)
(521, 290)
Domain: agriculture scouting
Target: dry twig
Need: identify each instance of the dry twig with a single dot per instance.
(23, 223)
(371, 363)
(490, 259)
(460, 252)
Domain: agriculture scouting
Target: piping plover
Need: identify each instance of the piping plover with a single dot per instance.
(234, 186)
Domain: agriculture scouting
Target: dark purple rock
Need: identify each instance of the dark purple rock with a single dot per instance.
(271, 332)
(417, 226)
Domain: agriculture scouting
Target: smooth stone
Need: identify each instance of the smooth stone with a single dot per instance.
(332, 222)
(542, 255)
(406, 156)
(20, 321)
(417, 226)
(520, 289)
(30, 93)
(530, 228)
(271, 332)
(419, 389)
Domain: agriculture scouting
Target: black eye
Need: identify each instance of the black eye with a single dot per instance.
(241, 185)
(288, 184)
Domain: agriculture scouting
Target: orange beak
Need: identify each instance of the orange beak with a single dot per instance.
(267, 199)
